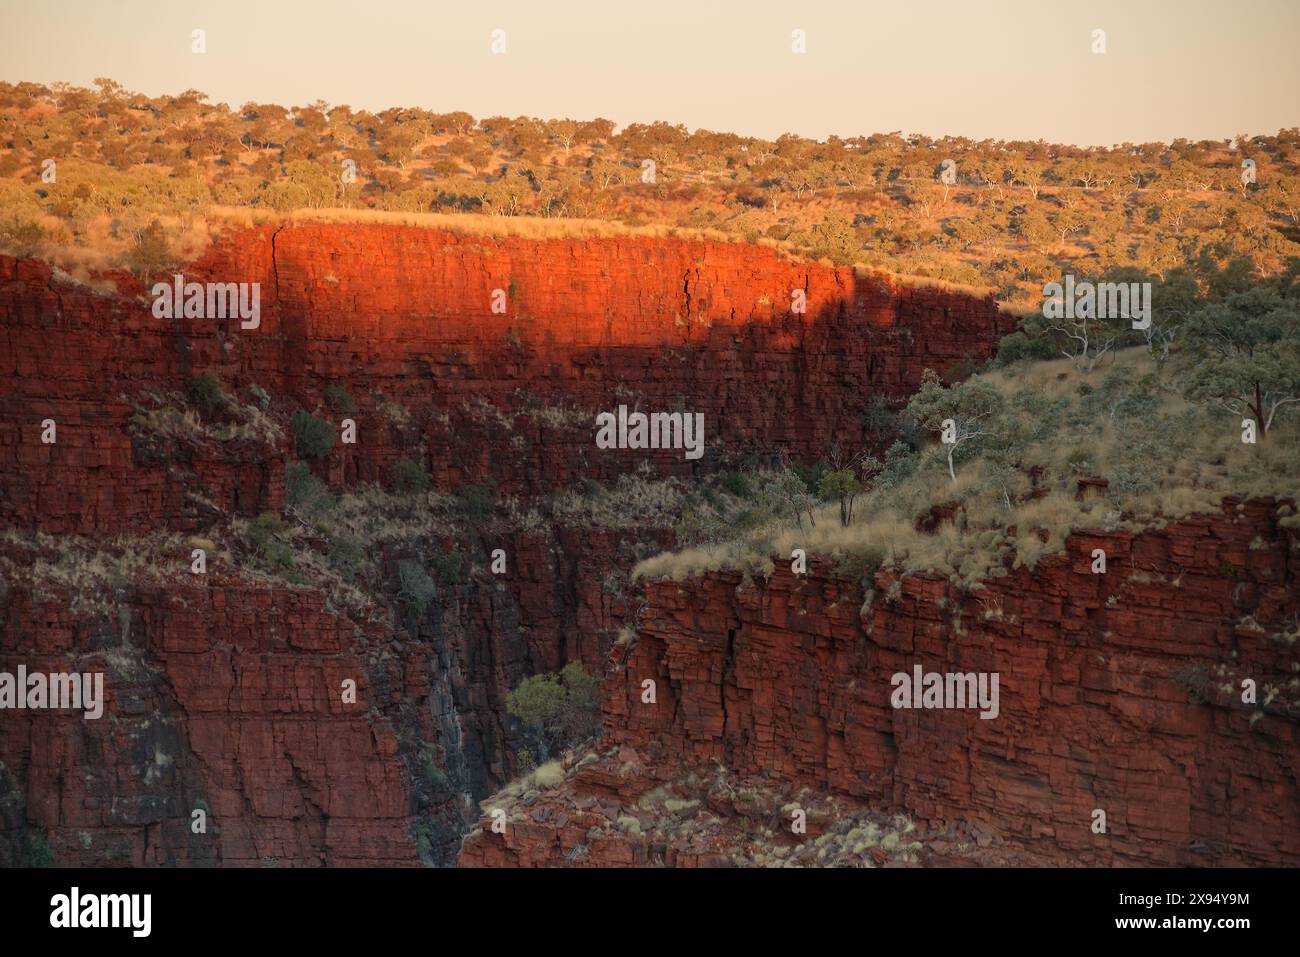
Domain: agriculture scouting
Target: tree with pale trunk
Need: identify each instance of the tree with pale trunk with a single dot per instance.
(958, 414)
(1248, 355)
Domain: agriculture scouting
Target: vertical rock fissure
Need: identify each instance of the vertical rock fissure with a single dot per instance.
(275, 266)
(728, 675)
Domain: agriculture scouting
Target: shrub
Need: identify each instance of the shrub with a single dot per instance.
(416, 588)
(474, 501)
(1018, 346)
(782, 492)
(446, 565)
(877, 417)
(536, 700)
(900, 463)
(267, 535)
(438, 779)
(346, 555)
(151, 253)
(562, 709)
(1196, 680)
(433, 774)
(860, 562)
(525, 761)
(409, 477)
(38, 850)
(583, 690)
(736, 484)
(1139, 460)
(304, 491)
(22, 237)
(206, 395)
(313, 437)
(811, 475)
(700, 524)
(340, 399)
(1079, 459)
(841, 485)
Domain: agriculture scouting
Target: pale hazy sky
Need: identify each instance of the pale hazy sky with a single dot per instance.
(1008, 69)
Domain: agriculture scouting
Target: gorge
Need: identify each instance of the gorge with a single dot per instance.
(221, 691)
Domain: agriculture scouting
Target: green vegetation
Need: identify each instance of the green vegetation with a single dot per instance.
(340, 399)
(561, 709)
(38, 850)
(1248, 355)
(735, 483)
(20, 237)
(313, 437)
(144, 181)
(434, 775)
(150, 254)
(1153, 417)
(1013, 491)
(959, 414)
(268, 537)
(206, 395)
(446, 565)
(408, 477)
(845, 480)
(304, 491)
(347, 557)
(474, 502)
(860, 561)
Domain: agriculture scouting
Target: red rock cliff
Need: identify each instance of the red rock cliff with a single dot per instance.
(223, 694)
(1119, 692)
(403, 315)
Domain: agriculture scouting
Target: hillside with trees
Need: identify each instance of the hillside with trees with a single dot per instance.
(106, 178)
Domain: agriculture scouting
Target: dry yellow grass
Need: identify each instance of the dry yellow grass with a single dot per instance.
(1205, 462)
(99, 250)
(527, 227)
(923, 282)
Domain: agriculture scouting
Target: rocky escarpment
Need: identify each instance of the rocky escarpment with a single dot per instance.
(224, 692)
(403, 318)
(1123, 692)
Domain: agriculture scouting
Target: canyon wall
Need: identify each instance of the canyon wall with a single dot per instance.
(223, 693)
(1120, 692)
(402, 317)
